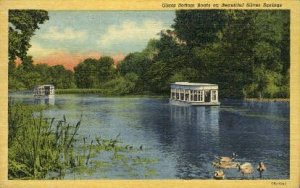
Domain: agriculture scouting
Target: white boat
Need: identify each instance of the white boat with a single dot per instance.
(186, 93)
(44, 91)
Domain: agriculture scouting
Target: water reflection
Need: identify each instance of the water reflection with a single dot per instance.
(46, 100)
(203, 121)
(197, 135)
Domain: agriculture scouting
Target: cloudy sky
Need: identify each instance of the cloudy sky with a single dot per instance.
(69, 37)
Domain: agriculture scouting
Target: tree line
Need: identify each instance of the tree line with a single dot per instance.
(245, 52)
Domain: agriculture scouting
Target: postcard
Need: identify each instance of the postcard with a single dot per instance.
(149, 93)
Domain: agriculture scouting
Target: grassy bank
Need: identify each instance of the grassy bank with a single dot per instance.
(267, 99)
(108, 93)
(82, 91)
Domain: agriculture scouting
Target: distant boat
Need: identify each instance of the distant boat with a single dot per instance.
(186, 93)
(44, 91)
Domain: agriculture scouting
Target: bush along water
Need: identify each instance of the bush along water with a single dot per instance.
(47, 148)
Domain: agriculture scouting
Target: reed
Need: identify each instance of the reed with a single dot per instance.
(40, 147)
(36, 146)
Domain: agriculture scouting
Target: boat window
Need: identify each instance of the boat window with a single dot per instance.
(187, 97)
(201, 95)
(195, 95)
(182, 96)
(214, 96)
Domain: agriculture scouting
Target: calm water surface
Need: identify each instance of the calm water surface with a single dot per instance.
(183, 140)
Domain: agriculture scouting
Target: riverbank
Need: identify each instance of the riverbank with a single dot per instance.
(268, 99)
(107, 93)
(81, 91)
(110, 93)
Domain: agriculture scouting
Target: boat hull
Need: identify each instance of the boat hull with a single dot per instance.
(193, 103)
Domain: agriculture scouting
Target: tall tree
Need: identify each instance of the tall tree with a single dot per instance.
(172, 56)
(60, 77)
(92, 73)
(22, 24)
(199, 28)
(86, 74)
(105, 69)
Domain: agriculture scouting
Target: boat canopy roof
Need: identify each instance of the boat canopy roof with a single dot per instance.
(193, 84)
(45, 85)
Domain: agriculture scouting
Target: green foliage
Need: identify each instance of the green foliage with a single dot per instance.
(85, 74)
(171, 56)
(27, 63)
(207, 60)
(122, 85)
(34, 149)
(139, 63)
(60, 77)
(134, 62)
(81, 91)
(151, 49)
(105, 69)
(158, 76)
(199, 28)
(268, 84)
(22, 24)
(15, 84)
(92, 73)
(24, 78)
(31, 79)
(245, 52)
(187, 74)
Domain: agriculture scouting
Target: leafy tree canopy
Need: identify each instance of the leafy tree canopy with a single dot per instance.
(22, 24)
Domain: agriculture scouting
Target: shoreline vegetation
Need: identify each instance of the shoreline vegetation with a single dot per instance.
(41, 147)
(38, 145)
(109, 93)
(267, 99)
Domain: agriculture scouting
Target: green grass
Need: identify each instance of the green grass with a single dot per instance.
(38, 145)
(268, 99)
(82, 91)
(107, 92)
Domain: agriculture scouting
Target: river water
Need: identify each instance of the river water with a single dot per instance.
(182, 140)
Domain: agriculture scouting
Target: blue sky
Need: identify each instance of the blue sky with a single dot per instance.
(105, 32)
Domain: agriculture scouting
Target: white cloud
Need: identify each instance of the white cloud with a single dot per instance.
(67, 34)
(36, 50)
(130, 32)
